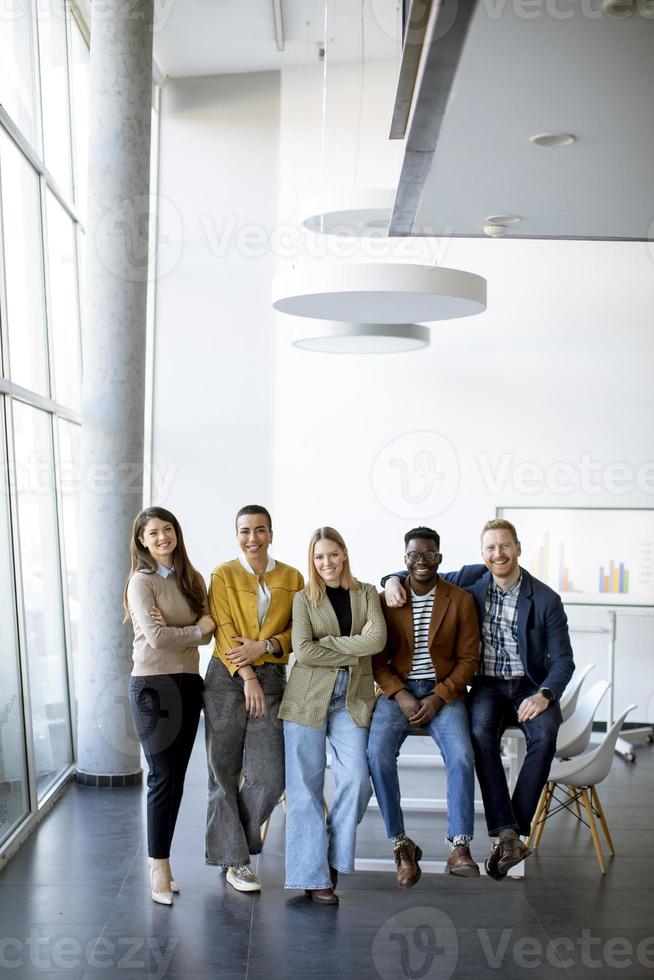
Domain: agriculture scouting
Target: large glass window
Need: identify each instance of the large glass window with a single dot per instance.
(16, 72)
(54, 92)
(14, 799)
(63, 305)
(23, 261)
(42, 597)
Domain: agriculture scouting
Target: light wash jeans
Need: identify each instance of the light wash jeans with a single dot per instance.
(449, 729)
(313, 844)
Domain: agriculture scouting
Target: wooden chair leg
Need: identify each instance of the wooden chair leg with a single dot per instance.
(543, 817)
(600, 812)
(593, 829)
(534, 822)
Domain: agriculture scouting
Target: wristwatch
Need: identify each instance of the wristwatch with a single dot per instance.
(270, 648)
(547, 693)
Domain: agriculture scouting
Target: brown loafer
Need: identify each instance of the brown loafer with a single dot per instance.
(460, 862)
(504, 856)
(322, 896)
(406, 859)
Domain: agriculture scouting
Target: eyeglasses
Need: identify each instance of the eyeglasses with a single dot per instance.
(415, 556)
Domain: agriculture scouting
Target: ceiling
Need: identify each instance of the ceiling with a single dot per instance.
(215, 37)
(523, 67)
(528, 68)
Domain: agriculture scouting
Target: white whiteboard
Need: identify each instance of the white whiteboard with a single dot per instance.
(590, 556)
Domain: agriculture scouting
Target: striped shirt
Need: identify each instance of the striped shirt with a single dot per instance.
(422, 667)
(499, 633)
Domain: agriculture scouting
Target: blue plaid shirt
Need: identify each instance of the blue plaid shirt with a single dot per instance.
(499, 633)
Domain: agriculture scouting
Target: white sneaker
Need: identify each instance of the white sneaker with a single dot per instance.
(243, 878)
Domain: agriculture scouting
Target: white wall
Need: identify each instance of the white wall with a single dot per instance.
(559, 366)
(213, 371)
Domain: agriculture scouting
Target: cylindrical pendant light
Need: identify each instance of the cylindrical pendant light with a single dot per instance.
(379, 292)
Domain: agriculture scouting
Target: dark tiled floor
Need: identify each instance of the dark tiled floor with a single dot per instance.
(74, 902)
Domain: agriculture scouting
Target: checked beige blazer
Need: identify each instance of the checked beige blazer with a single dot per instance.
(320, 651)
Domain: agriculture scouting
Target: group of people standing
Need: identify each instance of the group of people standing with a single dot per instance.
(367, 671)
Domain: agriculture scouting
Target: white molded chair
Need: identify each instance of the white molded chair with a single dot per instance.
(574, 734)
(578, 778)
(568, 702)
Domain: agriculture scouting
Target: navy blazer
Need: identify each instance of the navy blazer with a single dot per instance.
(543, 638)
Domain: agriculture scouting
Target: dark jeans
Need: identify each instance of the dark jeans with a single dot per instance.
(238, 745)
(166, 711)
(493, 705)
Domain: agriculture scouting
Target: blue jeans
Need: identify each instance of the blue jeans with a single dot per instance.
(313, 844)
(449, 729)
(493, 705)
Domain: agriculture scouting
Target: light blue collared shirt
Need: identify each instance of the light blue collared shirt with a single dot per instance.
(165, 572)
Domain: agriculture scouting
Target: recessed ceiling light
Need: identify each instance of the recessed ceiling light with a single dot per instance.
(501, 219)
(495, 230)
(553, 139)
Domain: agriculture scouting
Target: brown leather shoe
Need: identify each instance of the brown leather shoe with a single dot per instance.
(504, 856)
(460, 862)
(406, 859)
(322, 896)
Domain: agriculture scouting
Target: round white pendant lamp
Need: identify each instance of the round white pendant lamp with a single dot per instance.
(336, 337)
(357, 214)
(377, 293)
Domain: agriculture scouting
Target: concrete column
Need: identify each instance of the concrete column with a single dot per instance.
(114, 379)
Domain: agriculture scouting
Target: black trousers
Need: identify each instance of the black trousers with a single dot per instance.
(166, 711)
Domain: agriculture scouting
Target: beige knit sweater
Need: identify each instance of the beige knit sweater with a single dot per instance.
(169, 649)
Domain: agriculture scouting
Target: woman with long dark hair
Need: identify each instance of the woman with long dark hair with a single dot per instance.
(337, 625)
(166, 599)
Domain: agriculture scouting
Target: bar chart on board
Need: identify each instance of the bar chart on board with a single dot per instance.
(591, 556)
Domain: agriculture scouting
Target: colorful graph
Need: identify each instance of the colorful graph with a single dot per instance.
(617, 579)
(590, 556)
(565, 581)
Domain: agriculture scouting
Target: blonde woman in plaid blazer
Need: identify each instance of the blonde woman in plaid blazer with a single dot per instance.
(337, 626)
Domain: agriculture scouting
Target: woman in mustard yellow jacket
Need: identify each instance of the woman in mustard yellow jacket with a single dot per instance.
(250, 599)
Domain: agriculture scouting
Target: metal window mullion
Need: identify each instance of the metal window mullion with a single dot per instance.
(80, 20)
(4, 329)
(18, 393)
(39, 128)
(45, 259)
(63, 575)
(21, 622)
(37, 162)
(69, 99)
(151, 320)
